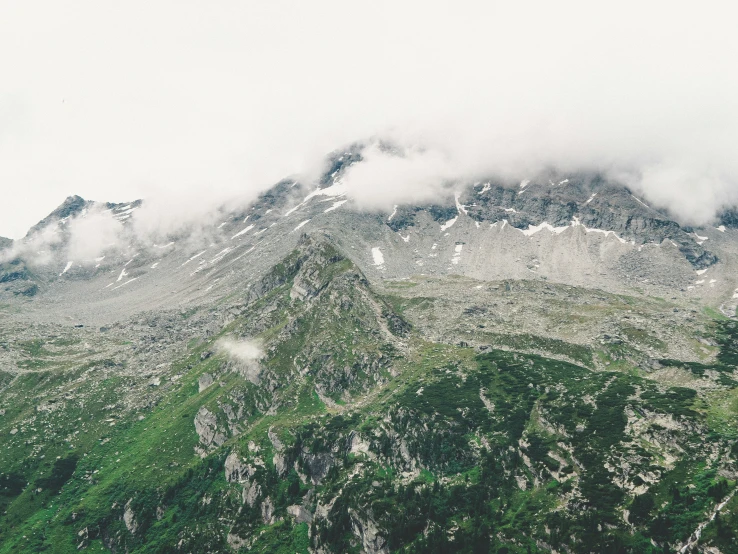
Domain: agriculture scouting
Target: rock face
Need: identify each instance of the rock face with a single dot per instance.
(367, 531)
(251, 493)
(235, 469)
(267, 511)
(205, 380)
(300, 514)
(318, 465)
(206, 425)
(129, 518)
(589, 200)
(279, 459)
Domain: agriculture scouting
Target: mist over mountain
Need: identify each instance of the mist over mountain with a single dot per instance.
(328, 278)
(335, 364)
(220, 106)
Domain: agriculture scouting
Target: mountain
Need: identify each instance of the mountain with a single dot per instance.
(548, 366)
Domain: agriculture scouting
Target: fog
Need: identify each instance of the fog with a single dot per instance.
(243, 355)
(246, 351)
(191, 105)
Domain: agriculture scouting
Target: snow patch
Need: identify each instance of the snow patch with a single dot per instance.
(459, 206)
(124, 284)
(533, 229)
(193, 258)
(220, 255)
(394, 212)
(243, 231)
(591, 198)
(721, 228)
(485, 188)
(377, 256)
(67, 268)
(337, 189)
(303, 223)
(576, 223)
(641, 202)
(457, 254)
(336, 205)
(449, 223)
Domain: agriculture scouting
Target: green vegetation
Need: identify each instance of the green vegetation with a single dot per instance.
(356, 433)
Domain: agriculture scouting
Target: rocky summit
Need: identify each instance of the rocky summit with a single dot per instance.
(542, 366)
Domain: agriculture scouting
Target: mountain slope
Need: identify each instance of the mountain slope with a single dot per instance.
(350, 431)
(549, 366)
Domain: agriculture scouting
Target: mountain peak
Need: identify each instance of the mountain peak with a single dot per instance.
(71, 206)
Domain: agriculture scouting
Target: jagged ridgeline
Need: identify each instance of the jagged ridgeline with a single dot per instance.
(312, 414)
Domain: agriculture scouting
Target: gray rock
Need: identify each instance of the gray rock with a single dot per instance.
(368, 532)
(267, 511)
(274, 439)
(251, 492)
(318, 465)
(129, 518)
(206, 426)
(205, 380)
(235, 469)
(300, 514)
(280, 463)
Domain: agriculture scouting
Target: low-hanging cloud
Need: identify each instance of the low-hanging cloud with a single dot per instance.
(244, 354)
(37, 249)
(246, 351)
(226, 102)
(93, 234)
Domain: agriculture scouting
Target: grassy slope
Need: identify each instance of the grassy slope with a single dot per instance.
(443, 472)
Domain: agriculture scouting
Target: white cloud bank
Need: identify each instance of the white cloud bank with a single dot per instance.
(245, 354)
(195, 103)
(91, 235)
(246, 351)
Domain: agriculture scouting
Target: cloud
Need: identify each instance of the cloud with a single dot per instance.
(194, 102)
(385, 178)
(36, 250)
(245, 351)
(244, 354)
(92, 234)
(194, 212)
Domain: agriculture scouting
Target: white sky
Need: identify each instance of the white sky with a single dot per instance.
(120, 100)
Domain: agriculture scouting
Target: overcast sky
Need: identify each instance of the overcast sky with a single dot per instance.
(120, 100)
